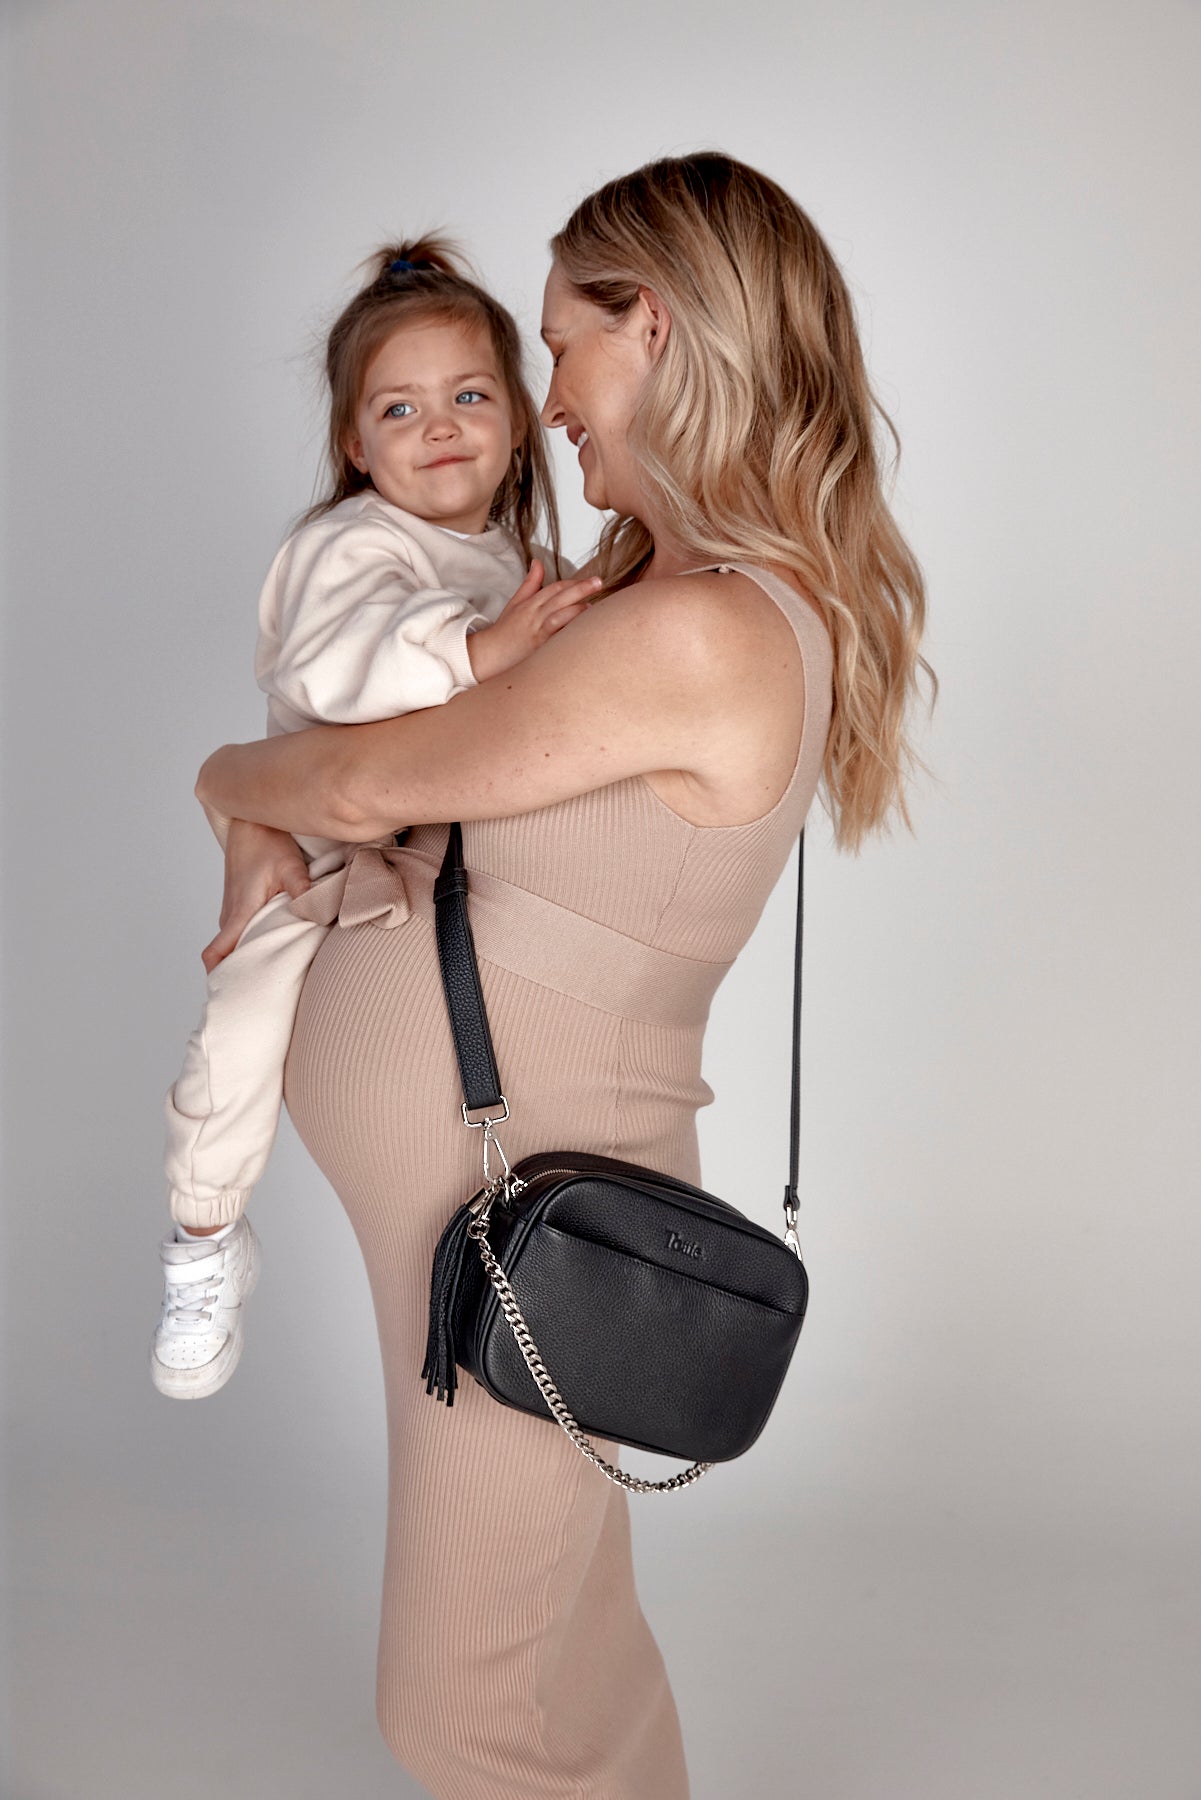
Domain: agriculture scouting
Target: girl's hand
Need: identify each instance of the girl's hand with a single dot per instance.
(534, 614)
(259, 863)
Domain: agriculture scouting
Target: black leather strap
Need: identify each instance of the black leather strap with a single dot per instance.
(461, 980)
(469, 1018)
(794, 1123)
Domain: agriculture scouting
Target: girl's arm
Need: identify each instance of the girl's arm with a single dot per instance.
(661, 675)
(349, 633)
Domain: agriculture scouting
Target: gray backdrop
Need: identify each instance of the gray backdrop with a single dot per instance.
(963, 1559)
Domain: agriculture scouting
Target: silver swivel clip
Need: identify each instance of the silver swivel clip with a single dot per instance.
(491, 1141)
(503, 1181)
(792, 1213)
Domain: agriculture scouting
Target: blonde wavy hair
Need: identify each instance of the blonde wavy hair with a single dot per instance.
(754, 436)
(410, 283)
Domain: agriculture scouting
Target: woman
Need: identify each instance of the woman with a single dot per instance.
(634, 788)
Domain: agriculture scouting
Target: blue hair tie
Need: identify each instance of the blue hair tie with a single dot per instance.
(401, 267)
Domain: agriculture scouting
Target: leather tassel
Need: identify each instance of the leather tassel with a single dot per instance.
(438, 1369)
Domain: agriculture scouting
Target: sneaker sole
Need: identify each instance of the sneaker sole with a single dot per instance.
(198, 1384)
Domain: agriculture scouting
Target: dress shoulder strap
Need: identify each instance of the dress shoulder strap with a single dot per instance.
(804, 617)
(817, 660)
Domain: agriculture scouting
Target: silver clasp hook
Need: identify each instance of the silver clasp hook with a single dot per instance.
(490, 1140)
(488, 1126)
(791, 1215)
(506, 1182)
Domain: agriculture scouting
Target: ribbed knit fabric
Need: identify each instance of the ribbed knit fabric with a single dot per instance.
(514, 1660)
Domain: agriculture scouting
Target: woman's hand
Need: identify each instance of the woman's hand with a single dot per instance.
(259, 863)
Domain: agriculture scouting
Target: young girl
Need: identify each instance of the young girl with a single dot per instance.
(404, 586)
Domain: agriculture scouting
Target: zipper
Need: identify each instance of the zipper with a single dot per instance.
(684, 1195)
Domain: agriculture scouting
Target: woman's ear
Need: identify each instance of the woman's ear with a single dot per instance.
(656, 321)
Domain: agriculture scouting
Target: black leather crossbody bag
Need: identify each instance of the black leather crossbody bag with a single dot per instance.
(608, 1297)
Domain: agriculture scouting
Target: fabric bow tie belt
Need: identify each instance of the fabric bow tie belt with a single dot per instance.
(387, 884)
(369, 890)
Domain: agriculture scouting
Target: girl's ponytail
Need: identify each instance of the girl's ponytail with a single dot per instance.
(429, 255)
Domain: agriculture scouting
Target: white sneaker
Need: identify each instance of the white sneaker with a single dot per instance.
(199, 1337)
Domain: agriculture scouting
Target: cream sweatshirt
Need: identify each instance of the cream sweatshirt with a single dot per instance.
(365, 614)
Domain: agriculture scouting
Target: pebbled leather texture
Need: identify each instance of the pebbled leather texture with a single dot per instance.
(650, 1344)
(461, 980)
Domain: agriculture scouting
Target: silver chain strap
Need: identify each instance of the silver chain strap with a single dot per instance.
(478, 1230)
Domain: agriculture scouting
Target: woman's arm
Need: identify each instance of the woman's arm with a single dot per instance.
(662, 675)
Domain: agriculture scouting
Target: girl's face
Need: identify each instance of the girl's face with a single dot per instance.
(434, 429)
(600, 367)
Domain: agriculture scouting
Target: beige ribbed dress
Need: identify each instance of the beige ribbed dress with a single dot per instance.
(514, 1659)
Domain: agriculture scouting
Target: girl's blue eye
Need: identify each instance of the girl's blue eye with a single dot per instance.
(474, 391)
(394, 411)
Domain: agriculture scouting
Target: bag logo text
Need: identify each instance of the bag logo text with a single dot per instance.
(676, 1242)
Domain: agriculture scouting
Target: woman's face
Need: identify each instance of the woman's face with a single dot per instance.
(600, 367)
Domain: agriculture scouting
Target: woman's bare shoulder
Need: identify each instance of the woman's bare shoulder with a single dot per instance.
(722, 648)
(719, 632)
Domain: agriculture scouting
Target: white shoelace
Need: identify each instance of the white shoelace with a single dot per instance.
(189, 1303)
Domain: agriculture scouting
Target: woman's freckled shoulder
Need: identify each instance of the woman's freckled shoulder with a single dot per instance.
(670, 601)
(703, 619)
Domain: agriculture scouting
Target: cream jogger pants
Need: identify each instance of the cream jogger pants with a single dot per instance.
(222, 1110)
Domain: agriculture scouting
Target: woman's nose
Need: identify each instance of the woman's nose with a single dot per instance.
(552, 413)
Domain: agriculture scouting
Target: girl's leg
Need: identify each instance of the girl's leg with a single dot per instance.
(222, 1111)
(222, 1117)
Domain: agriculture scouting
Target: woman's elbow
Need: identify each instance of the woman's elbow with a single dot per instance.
(207, 778)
